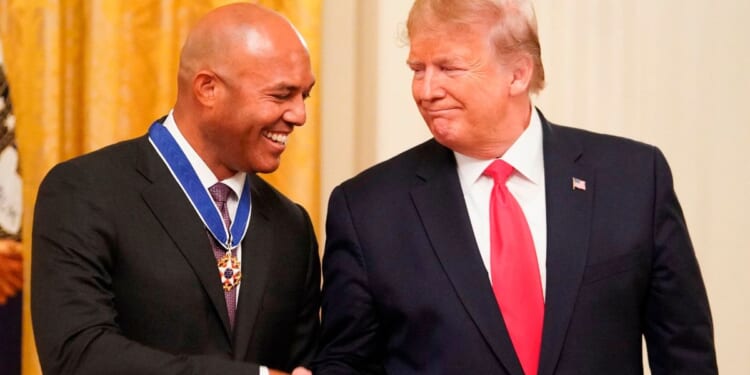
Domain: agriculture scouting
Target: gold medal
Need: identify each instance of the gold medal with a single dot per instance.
(229, 270)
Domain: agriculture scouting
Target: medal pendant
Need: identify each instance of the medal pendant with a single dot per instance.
(229, 270)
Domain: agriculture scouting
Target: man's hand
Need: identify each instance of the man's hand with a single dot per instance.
(11, 269)
(297, 371)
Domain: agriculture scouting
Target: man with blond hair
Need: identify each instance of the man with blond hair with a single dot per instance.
(507, 244)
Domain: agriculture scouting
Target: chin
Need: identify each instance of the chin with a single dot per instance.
(445, 135)
(267, 167)
(443, 128)
(264, 170)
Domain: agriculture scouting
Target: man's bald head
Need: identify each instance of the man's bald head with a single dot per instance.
(244, 74)
(231, 32)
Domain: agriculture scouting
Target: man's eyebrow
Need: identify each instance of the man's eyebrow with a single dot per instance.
(438, 61)
(283, 86)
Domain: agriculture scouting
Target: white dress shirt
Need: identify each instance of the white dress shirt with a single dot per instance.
(526, 184)
(236, 183)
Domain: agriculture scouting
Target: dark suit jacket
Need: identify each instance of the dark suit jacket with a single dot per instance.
(405, 290)
(125, 282)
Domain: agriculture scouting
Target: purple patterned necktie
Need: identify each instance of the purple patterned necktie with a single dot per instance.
(220, 193)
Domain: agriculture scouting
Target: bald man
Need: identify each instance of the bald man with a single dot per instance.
(166, 254)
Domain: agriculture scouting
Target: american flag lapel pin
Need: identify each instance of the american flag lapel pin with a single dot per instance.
(579, 184)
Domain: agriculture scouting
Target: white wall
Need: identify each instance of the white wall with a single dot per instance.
(675, 74)
(672, 73)
(368, 114)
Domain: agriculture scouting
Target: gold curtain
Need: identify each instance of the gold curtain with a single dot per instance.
(87, 73)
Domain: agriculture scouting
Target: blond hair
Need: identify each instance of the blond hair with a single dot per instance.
(513, 23)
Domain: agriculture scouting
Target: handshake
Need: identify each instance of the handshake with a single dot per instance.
(297, 371)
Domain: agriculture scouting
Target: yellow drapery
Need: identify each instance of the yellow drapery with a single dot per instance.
(87, 73)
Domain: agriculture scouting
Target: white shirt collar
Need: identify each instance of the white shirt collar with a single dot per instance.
(205, 175)
(525, 155)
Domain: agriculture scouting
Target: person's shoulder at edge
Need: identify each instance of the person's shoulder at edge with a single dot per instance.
(599, 150)
(267, 191)
(119, 151)
(589, 139)
(404, 164)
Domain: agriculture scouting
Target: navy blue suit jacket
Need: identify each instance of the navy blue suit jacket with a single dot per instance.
(405, 290)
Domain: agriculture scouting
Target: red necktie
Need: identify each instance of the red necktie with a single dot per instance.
(515, 271)
(220, 193)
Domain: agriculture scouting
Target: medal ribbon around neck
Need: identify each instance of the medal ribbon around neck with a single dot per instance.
(198, 195)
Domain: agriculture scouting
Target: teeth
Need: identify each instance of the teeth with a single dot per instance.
(276, 137)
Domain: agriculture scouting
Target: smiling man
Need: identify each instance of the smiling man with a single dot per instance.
(166, 254)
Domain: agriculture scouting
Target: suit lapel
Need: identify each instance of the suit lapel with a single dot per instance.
(180, 221)
(257, 249)
(568, 225)
(439, 201)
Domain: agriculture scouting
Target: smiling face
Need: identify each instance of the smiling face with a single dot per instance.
(257, 109)
(244, 75)
(472, 99)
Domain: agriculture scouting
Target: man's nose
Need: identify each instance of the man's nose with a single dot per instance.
(431, 85)
(296, 114)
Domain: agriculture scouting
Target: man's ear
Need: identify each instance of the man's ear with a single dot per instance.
(523, 68)
(205, 87)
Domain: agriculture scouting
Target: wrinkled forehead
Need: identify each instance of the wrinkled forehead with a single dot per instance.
(273, 62)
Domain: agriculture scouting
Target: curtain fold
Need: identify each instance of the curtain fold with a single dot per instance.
(87, 73)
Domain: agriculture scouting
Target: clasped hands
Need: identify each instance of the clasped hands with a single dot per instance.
(11, 269)
(297, 371)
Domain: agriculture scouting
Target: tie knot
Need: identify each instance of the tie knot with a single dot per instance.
(219, 192)
(499, 171)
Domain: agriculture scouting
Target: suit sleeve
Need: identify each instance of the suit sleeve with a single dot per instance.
(307, 329)
(678, 325)
(75, 321)
(349, 339)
